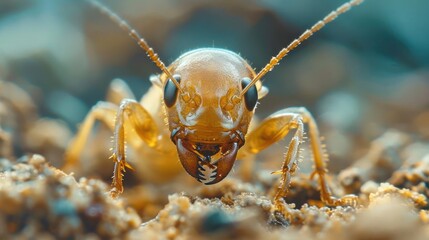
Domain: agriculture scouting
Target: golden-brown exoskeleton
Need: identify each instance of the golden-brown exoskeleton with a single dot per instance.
(209, 97)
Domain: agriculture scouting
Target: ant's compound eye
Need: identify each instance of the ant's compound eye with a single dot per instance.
(170, 91)
(251, 96)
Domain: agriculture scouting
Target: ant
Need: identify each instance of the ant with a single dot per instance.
(207, 97)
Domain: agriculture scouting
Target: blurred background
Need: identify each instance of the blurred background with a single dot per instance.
(363, 74)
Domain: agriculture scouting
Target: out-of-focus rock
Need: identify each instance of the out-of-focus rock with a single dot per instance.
(39, 201)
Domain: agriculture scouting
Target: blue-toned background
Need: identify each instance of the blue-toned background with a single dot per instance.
(362, 74)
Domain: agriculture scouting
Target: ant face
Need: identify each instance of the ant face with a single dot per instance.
(208, 119)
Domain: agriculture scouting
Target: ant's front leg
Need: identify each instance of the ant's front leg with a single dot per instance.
(276, 127)
(133, 116)
(103, 111)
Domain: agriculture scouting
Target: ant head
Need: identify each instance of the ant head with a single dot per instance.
(206, 115)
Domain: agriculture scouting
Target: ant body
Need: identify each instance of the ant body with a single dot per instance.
(209, 98)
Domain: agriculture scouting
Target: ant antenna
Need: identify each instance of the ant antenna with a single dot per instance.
(304, 36)
(136, 36)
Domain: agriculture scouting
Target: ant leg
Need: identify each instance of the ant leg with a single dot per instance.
(133, 116)
(102, 111)
(320, 160)
(276, 127)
